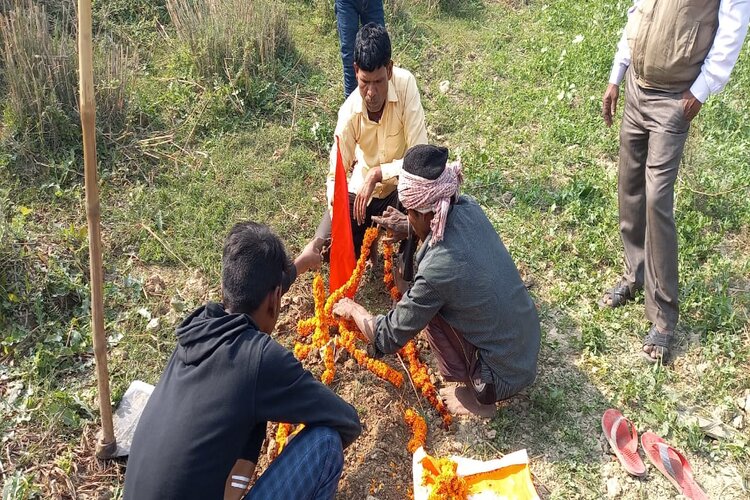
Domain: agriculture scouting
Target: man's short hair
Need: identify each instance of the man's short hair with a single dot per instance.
(372, 47)
(253, 263)
(425, 160)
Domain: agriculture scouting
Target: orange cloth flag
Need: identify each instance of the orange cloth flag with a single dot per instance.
(342, 243)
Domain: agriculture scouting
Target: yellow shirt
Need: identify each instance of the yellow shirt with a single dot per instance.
(382, 143)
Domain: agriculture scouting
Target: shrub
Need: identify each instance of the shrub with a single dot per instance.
(232, 39)
(38, 57)
(40, 77)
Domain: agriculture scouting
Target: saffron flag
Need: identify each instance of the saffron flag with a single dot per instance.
(342, 243)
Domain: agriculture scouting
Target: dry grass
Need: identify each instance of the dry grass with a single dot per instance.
(231, 38)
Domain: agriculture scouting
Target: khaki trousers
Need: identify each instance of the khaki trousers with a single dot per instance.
(652, 138)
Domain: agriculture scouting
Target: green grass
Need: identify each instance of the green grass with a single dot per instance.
(522, 112)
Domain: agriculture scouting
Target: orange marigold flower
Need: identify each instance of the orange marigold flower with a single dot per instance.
(388, 278)
(348, 288)
(301, 351)
(421, 379)
(418, 430)
(446, 484)
(306, 326)
(330, 365)
(282, 433)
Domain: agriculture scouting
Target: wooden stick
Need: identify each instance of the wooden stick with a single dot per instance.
(107, 446)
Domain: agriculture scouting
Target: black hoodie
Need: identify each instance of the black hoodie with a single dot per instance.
(223, 382)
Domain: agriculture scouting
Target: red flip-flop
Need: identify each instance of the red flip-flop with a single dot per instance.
(623, 439)
(673, 465)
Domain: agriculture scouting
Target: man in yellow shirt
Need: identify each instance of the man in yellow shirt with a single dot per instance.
(375, 128)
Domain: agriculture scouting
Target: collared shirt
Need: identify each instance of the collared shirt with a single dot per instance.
(382, 143)
(718, 65)
(469, 278)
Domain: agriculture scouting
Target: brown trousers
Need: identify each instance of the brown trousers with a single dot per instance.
(652, 138)
(457, 359)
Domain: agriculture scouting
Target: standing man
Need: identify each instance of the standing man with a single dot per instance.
(467, 295)
(350, 15)
(673, 56)
(203, 427)
(375, 128)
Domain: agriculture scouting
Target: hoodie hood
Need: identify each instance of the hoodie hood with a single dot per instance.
(206, 329)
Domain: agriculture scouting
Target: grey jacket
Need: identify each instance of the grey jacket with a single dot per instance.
(470, 279)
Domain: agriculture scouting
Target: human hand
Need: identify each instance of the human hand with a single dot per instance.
(373, 176)
(395, 223)
(345, 308)
(609, 103)
(690, 105)
(311, 256)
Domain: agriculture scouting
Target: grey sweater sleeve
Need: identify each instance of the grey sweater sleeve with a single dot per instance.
(415, 309)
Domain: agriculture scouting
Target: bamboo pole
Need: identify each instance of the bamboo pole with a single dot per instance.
(106, 446)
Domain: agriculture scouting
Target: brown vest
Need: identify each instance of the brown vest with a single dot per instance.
(669, 40)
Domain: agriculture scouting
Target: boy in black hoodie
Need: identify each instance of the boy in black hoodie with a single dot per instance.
(201, 432)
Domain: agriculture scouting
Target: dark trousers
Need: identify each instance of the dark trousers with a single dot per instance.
(652, 138)
(350, 15)
(376, 208)
(457, 359)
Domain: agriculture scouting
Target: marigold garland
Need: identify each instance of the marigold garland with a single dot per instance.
(446, 483)
(329, 362)
(346, 340)
(318, 330)
(301, 351)
(418, 430)
(388, 278)
(348, 288)
(282, 433)
(421, 379)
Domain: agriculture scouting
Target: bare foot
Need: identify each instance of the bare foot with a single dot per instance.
(461, 401)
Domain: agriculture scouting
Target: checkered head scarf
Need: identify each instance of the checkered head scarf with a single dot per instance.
(430, 195)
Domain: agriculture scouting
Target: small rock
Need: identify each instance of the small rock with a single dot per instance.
(491, 434)
(613, 487)
(153, 324)
(370, 497)
(444, 86)
(507, 197)
(177, 304)
(349, 364)
(743, 402)
(738, 422)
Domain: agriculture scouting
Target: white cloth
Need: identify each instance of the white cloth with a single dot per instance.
(721, 58)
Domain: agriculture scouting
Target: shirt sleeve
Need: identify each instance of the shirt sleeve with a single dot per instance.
(622, 56)
(721, 58)
(415, 309)
(415, 129)
(286, 392)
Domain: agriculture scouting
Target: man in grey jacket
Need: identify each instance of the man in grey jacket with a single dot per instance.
(672, 59)
(467, 294)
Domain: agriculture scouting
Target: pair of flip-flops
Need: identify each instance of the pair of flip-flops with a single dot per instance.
(623, 439)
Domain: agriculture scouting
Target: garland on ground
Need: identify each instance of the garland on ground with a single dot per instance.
(318, 330)
(418, 430)
(388, 279)
(421, 379)
(417, 369)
